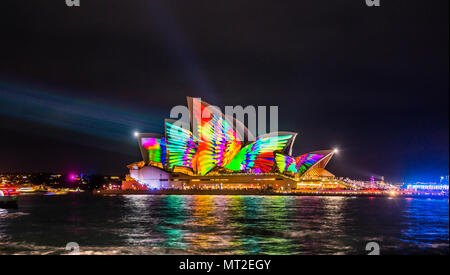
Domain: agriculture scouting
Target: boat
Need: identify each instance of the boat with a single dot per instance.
(9, 196)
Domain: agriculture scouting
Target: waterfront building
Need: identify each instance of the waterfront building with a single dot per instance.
(219, 159)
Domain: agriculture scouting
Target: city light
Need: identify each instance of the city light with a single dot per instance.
(136, 133)
(336, 150)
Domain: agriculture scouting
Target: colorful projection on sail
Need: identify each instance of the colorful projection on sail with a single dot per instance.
(306, 161)
(181, 146)
(218, 142)
(156, 148)
(285, 164)
(299, 165)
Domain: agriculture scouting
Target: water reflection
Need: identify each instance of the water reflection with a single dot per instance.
(205, 226)
(172, 225)
(260, 222)
(176, 224)
(429, 228)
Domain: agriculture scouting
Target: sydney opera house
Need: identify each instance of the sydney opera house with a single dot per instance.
(218, 158)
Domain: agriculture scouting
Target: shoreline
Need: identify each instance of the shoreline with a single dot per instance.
(260, 193)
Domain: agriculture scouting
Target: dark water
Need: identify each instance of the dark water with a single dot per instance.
(148, 224)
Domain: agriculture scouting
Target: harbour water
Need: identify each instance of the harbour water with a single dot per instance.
(202, 224)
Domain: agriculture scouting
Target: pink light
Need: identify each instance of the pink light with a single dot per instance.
(150, 143)
(72, 177)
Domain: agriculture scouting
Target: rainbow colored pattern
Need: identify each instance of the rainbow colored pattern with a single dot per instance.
(156, 148)
(285, 163)
(181, 146)
(218, 143)
(258, 155)
(299, 165)
(305, 161)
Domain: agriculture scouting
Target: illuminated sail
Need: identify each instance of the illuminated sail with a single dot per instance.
(218, 142)
(156, 148)
(181, 146)
(306, 161)
(285, 163)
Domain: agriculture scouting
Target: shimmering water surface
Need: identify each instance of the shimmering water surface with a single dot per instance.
(177, 224)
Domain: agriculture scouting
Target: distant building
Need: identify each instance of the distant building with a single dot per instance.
(422, 186)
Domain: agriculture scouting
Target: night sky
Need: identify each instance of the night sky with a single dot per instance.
(76, 82)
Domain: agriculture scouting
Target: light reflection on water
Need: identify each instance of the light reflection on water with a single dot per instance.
(176, 224)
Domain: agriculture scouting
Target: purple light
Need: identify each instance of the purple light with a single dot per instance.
(72, 177)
